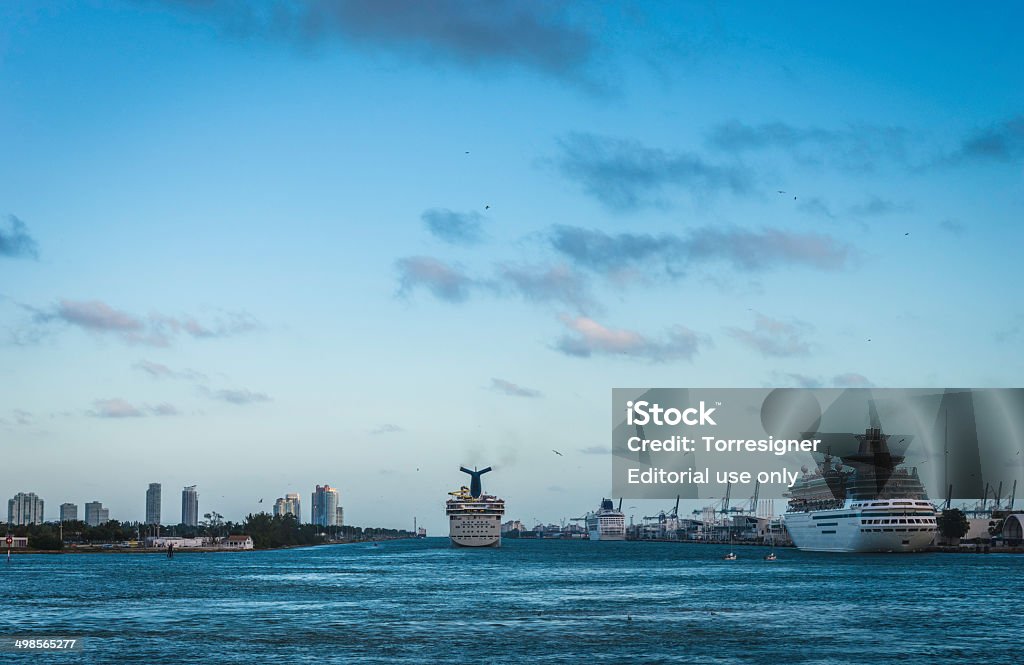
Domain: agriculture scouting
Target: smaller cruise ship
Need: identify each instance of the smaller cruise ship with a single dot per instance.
(607, 522)
(474, 518)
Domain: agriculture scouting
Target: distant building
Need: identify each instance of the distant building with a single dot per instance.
(18, 542)
(25, 508)
(325, 506)
(153, 504)
(1013, 529)
(190, 506)
(339, 519)
(69, 512)
(162, 543)
(96, 514)
(237, 543)
(513, 525)
(289, 504)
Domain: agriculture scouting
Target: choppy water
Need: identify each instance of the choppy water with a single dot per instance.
(529, 602)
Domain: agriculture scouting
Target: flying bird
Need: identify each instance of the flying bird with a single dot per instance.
(557, 453)
(261, 500)
(794, 198)
(782, 191)
(907, 234)
(487, 207)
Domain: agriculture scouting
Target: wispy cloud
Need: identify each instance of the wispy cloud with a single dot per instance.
(743, 249)
(536, 36)
(768, 247)
(19, 417)
(514, 390)
(119, 408)
(555, 284)
(446, 282)
(15, 241)
(1000, 142)
(588, 337)
(816, 206)
(851, 380)
(847, 380)
(239, 396)
(98, 317)
(625, 175)
(386, 428)
(774, 337)
(457, 228)
(953, 227)
(853, 148)
(159, 371)
(224, 324)
(876, 205)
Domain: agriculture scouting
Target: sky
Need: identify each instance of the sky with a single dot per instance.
(257, 247)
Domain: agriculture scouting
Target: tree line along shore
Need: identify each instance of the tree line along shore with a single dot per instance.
(267, 532)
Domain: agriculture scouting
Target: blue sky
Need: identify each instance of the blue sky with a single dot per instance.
(257, 250)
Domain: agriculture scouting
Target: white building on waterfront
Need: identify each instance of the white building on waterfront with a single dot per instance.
(25, 508)
(236, 543)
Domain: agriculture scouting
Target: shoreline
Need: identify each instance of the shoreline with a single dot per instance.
(187, 550)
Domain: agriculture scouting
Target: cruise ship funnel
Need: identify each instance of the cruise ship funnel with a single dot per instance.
(475, 488)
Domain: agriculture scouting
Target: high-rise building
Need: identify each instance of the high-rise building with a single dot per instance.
(153, 504)
(289, 504)
(325, 506)
(25, 508)
(190, 506)
(69, 512)
(339, 519)
(96, 514)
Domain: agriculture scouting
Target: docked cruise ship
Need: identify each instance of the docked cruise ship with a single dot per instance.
(607, 522)
(862, 503)
(474, 518)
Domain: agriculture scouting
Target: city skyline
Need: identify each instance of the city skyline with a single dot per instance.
(28, 507)
(392, 250)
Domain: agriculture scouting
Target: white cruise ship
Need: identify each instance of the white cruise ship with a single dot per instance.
(607, 522)
(863, 503)
(474, 518)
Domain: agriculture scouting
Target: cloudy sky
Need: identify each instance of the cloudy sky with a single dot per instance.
(362, 243)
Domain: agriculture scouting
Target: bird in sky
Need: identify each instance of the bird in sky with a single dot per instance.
(487, 207)
(557, 453)
(261, 500)
(782, 191)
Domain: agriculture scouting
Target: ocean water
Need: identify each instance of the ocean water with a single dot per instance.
(527, 602)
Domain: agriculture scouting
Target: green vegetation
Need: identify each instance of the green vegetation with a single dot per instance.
(266, 531)
(276, 531)
(953, 523)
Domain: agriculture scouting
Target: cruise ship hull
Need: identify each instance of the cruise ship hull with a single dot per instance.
(606, 523)
(475, 531)
(849, 530)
